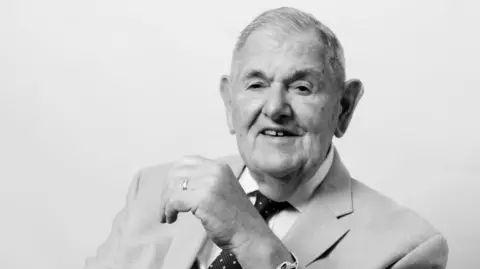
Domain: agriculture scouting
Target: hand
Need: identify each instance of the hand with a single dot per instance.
(215, 196)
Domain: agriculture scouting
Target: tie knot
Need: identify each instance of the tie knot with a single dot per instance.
(267, 208)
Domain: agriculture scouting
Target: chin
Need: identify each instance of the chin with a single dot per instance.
(277, 188)
(276, 174)
(276, 166)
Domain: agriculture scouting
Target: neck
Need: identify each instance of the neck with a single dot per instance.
(281, 187)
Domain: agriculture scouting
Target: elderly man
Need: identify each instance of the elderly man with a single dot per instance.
(288, 201)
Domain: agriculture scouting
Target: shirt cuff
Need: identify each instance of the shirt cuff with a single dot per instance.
(289, 265)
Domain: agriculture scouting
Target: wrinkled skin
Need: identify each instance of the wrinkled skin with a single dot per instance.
(281, 80)
(215, 197)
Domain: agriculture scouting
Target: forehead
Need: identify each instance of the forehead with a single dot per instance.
(278, 52)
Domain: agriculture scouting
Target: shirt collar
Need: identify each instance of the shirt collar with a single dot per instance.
(302, 195)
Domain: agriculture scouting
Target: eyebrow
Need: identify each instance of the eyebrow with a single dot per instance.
(255, 73)
(297, 74)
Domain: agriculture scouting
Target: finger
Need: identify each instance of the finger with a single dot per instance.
(162, 206)
(178, 203)
(190, 160)
(193, 158)
(185, 168)
(175, 184)
(167, 191)
(182, 172)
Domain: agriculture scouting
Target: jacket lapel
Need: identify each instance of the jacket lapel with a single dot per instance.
(320, 227)
(189, 234)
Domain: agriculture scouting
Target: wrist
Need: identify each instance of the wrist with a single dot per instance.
(262, 252)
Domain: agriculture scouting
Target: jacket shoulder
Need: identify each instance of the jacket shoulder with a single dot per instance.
(383, 232)
(382, 214)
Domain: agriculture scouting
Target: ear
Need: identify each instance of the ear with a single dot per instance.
(227, 101)
(352, 93)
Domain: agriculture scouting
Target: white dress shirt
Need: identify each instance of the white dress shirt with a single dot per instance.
(282, 221)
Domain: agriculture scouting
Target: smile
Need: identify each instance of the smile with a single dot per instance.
(277, 133)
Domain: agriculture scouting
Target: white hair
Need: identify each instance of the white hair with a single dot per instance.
(288, 18)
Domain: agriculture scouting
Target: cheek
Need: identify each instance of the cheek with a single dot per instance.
(316, 116)
(245, 112)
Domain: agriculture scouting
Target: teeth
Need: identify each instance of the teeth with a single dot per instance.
(271, 132)
(274, 133)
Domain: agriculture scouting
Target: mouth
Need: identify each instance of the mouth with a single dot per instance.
(278, 132)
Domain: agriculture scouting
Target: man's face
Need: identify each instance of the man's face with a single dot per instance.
(283, 106)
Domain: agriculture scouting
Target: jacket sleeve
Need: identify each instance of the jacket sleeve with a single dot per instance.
(120, 251)
(431, 254)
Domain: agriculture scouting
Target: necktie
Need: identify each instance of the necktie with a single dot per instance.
(267, 208)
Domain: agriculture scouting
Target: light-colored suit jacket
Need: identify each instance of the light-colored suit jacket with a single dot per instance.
(347, 225)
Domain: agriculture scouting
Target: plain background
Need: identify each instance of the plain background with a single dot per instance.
(92, 91)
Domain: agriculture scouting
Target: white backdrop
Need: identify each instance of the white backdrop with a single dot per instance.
(91, 91)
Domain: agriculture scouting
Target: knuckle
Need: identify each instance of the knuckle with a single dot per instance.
(189, 158)
(172, 201)
(222, 168)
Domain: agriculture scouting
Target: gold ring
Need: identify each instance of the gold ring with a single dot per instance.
(184, 185)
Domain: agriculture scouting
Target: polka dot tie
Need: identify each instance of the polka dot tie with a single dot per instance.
(267, 208)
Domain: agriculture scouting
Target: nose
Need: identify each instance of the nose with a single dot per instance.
(277, 106)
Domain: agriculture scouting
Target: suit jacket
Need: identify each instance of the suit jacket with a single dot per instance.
(347, 225)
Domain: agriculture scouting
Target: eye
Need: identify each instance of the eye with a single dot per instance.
(256, 86)
(303, 88)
